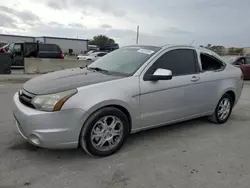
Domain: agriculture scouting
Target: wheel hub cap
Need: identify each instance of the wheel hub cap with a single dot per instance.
(107, 133)
(224, 109)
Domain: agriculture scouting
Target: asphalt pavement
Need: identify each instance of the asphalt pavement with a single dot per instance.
(193, 154)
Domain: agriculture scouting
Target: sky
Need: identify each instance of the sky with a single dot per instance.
(217, 22)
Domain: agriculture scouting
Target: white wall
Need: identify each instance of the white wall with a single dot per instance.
(9, 39)
(66, 44)
(39, 65)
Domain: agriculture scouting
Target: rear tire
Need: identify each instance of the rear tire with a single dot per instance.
(104, 132)
(223, 110)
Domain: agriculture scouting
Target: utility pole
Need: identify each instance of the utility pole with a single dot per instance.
(137, 35)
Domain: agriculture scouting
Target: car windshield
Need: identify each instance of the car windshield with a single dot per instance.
(126, 60)
(90, 52)
(93, 54)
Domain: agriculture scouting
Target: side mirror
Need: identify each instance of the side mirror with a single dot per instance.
(159, 74)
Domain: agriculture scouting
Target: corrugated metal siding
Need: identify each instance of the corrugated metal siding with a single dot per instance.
(9, 39)
(78, 46)
(40, 39)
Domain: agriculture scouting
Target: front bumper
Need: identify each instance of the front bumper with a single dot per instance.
(49, 129)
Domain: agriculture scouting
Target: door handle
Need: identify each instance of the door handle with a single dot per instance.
(194, 79)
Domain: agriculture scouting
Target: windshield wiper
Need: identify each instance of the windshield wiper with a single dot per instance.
(97, 69)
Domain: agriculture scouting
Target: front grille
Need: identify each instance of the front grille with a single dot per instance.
(26, 98)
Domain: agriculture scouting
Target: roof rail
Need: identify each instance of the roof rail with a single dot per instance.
(180, 45)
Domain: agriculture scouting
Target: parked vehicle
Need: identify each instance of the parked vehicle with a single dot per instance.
(91, 52)
(4, 48)
(129, 90)
(243, 62)
(21, 50)
(49, 51)
(108, 48)
(2, 44)
(92, 56)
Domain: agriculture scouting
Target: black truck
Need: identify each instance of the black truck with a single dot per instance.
(21, 50)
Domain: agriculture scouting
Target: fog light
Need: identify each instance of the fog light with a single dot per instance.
(35, 139)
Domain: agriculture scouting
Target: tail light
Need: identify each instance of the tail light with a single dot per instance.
(3, 50)
(62, 56)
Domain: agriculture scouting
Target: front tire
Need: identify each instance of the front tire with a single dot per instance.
(104, 132)
(223, 110)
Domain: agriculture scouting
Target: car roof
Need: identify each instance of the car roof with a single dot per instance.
(198, 49)
(201, 49)
(47, 44)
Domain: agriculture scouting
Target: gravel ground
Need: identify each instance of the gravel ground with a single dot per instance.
(195, 154)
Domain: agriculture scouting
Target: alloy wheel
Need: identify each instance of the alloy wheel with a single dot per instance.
(224, 109)
(106, 133)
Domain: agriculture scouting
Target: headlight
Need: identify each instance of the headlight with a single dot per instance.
(52, 102)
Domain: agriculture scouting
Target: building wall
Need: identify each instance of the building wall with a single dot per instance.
(40, 39)
(78, 46)
(246, 51)
(12, 38)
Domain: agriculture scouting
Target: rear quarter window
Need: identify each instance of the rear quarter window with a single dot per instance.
(49, 47)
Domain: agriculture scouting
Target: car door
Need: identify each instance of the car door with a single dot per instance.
(246, 67)
(48, 51)
(169, 100)
(18, 58)
(10, 49)
(209, 86)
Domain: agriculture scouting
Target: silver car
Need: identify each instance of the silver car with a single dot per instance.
(129, 90)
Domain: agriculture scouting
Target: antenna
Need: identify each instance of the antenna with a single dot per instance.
(192, 42)
(137, 35)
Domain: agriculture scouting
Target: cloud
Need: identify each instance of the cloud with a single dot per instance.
(176, 31)
(76, 25)
(106, 26)
(54, 24)
(107, 6)
(221, 22)
(7, 22)
(22, 15)
(55, 5)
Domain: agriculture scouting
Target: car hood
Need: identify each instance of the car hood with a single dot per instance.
(65, 80)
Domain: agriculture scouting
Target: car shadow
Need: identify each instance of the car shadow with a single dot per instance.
(139, 139)
(171, 130)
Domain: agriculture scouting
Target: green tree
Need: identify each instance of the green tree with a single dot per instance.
(235, 51)
(102, 40)
(216, 48)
